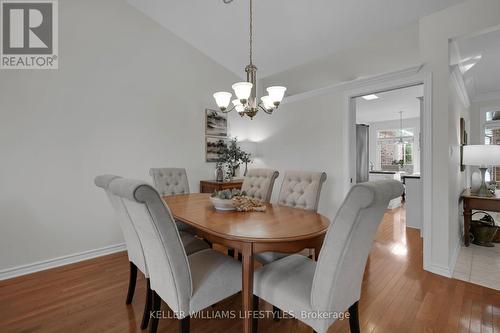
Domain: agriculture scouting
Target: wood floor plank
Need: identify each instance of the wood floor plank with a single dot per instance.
(397, 296)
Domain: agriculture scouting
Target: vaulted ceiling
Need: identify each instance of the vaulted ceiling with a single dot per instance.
(480, 63)
(287, 32)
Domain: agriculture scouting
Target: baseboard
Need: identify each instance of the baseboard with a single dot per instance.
(60, 261)
(454, 257)
(439, 270)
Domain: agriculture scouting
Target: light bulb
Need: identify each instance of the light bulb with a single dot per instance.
(222, 99)
(238, 106)
(276, 94)
(243, 90)
(268, 104)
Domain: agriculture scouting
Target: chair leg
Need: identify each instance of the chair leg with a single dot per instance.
(276, 313)
(354, 318)
(184, 325)
(156, 300)
(230, 252)
(131, 283)
(147, 306)
(255, 318)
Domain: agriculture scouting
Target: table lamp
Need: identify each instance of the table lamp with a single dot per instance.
(482, 156)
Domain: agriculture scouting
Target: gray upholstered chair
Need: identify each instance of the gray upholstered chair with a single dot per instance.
(259, 183)
(134, 247)
(187, 284)
(170, 181)
(299, 189)
(302, 287)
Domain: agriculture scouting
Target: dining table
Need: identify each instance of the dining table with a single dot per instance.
(279, 228)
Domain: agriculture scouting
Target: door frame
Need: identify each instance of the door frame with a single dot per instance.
(392, 82)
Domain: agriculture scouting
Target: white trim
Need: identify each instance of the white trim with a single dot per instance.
(440, 270)
(384, 83)
(354, 84)
(60, 261)
(457, 80)
(454, 257)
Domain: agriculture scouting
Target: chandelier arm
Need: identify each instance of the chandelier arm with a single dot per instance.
(265, 110)
(228, 110)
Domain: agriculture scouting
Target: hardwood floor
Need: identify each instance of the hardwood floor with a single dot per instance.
(397, 296)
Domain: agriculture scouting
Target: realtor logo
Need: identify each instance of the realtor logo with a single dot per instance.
(29, 38)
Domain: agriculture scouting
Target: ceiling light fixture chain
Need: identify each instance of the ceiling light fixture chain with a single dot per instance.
(246, 102)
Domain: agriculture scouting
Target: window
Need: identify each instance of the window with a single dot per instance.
(492, 137)
(395, 146)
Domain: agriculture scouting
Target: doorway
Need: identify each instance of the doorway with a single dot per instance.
(412, 157)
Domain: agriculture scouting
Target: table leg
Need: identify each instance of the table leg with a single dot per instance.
(247, 286)
(467, 217)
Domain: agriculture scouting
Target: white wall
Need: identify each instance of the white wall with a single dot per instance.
(389, 125)
(128, 96)
(436, 30)
(386, 53)
(305, 135)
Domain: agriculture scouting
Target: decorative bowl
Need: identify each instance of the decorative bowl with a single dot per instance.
(222, 204)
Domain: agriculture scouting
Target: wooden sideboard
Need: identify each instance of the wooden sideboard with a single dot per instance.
(471, 202)
(209, 186)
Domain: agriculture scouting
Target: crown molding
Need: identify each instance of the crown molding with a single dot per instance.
(354, 84)
(457, 80)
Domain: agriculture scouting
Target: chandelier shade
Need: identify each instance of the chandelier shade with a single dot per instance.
(276, 94)
(222, 99)
(247, 102)
(242, 90)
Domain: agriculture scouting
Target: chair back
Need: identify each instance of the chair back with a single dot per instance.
(132, 242)
(259, 183)
(166, 258)
(348, 241)
(170, 181)
(301, 189)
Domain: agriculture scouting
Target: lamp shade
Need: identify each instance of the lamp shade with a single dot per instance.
(222, 99)
(242, 90)
(238, 106)
(276, 93)
(482, 155)
(268, 104)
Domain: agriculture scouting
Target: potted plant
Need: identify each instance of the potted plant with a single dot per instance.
(234, 156)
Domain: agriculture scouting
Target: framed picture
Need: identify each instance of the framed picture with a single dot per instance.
(463, 141)
(214, 147)
(215, 123)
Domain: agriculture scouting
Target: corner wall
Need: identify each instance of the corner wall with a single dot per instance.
(436, 30)
(128, 96)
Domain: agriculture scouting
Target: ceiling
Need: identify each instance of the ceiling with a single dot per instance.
(484, 51)
(287, 32)
(388, 105)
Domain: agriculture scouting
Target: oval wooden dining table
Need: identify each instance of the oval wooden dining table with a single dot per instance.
(279, 228)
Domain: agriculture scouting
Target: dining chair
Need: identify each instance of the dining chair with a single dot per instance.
(259, 183)
(316, 292)
(171, 181)
(299, 189)
(187, 284)
(134, 247)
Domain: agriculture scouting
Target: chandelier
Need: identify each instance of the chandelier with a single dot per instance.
(246, 101)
